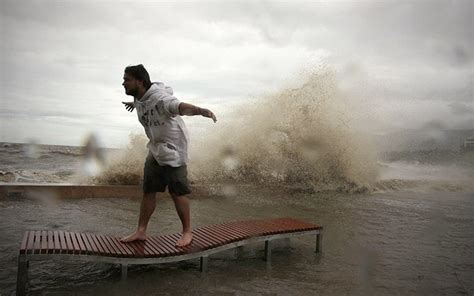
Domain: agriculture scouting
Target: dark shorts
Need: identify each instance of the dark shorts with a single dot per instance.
(156, 178)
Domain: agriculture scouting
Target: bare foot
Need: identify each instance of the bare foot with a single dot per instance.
(185, 239)
(133, 237)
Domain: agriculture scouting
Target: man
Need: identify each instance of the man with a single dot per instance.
(165, 166)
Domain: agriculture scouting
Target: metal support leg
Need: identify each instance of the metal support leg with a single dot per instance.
(123, 271)
(319, 243)
(268, 251)
(203, 265)
(22, 277)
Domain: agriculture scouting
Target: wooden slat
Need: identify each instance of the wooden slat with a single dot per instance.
(62, 241)
(31, 241)
(107, 245)
(37, 246)
(57, 244)
(75, 243)
(44, 242)
(227, 234)
(244, 231)
(170, 241)
(50, 242)
(234, 232)
(123, 247)
(174, 238)
(102, 243)
(82, 246)
(200, 240)
(130, 247)
(205, 237)
(92, 249)
(136, 249)
(99, 247)
(162, 249)
(214, 236)
(196, 245)
(70, 246)
(210, 240)
(154, 249)
(149, 250)
(117, 249)
(24, 242)
(159, 241)
(87, 245)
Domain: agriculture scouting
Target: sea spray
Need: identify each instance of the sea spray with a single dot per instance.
(126, 166)
(299, 137)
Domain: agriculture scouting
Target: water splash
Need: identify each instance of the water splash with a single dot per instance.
(125, 167)
(301, 137)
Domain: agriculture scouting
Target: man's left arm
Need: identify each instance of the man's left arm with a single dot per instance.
(191, 110)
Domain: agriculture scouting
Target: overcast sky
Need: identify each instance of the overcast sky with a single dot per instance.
(62, 61)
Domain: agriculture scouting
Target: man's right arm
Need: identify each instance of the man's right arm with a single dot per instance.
(129, 106)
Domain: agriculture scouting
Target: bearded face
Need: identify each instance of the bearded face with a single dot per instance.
(130, 85)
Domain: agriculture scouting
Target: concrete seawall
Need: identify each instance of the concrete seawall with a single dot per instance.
(69, 191)
(55, 190)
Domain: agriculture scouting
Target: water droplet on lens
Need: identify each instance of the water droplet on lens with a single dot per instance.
(230, 160)
(229, 190)
(31, 149)
(94, 160)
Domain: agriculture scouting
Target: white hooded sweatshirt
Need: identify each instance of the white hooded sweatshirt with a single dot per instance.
(158, 112)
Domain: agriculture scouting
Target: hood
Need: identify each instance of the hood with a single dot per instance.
(156, 87)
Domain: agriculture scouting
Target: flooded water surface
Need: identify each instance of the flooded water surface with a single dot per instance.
(398, 243)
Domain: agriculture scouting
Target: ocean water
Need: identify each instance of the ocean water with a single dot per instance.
(412, 234)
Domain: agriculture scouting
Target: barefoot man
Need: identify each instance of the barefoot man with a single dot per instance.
(160, 114)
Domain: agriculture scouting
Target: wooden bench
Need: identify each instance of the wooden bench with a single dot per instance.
(207, 240)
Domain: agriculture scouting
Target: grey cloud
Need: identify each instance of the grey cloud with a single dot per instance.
(67, 55)
(462, 108)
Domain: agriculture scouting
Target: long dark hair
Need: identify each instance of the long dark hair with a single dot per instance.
(139, 73)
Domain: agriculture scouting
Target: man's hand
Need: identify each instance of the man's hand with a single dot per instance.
(208, 113)
(129, 106)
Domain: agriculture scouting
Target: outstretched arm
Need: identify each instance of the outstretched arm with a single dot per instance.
(129, 106)
(191, 110)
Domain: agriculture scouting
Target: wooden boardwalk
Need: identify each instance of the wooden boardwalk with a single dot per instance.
(207, 240)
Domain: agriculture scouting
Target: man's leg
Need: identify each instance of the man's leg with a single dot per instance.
(146, 209)
(182, 207)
